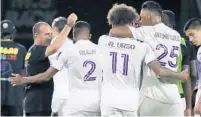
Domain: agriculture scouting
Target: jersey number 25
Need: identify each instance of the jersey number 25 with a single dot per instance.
(172, 54)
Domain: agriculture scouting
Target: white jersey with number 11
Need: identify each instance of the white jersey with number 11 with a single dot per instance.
(123, 59)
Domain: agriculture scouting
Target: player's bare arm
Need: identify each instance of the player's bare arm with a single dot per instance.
(121, 31)
(51, 49)
(164, 72)
(18, 79)
(187, 93)
(193, 73)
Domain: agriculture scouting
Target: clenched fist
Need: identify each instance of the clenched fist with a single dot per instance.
(72, 18)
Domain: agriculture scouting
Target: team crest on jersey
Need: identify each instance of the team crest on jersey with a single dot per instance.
(27, 56)
(58, 55)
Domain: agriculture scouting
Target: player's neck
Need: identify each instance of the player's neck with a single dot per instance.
(156, 20)
(83, 39)
(36, 42)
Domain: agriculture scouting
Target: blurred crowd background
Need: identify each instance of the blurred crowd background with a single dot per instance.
(25, 13)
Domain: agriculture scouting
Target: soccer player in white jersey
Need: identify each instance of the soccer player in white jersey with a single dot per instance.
(192, 29)
(166, 43)
(82, 60)
(122, 67)
(60, 97)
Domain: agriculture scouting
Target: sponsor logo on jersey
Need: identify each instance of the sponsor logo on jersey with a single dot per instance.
(6, 50)
(8, 53)
(28, 55)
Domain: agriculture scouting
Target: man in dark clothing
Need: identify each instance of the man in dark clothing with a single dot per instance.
(39, 95)
(12, 61)
(192, 29)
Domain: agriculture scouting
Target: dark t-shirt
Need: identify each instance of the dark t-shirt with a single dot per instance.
(12, 61)
(193, 51)
(185, 54)
(188, 54)
(38, 95)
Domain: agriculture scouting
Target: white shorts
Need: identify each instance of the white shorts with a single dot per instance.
(68, 111)
(114, 112)
(80, 113)
(58, 105)
(151, 107)
(183, 101)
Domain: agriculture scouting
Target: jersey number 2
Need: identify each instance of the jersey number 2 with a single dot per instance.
(125, 62)
(88, 76)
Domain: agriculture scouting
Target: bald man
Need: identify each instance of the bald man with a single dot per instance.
(38, 97)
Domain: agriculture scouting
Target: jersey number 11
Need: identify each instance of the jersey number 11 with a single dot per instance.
(125, 58)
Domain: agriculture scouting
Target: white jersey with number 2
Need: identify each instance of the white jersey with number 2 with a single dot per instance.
(82, 60)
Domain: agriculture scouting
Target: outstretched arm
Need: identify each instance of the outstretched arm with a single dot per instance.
(187, 93)
(167, 73)
(160, 71)
(59, 40)
(17, 79)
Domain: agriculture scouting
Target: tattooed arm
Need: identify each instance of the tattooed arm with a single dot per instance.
(42, 77)
(164, 72)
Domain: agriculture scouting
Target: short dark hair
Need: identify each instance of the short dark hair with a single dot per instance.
(194, 23)
(79, 26)
(121, 14)
(169, 18)
(82, 24)
(152, 6)
(59, 23)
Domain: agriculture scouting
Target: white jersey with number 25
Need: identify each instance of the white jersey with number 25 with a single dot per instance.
(166, 43)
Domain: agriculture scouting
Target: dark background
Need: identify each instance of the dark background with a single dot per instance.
(25, 13)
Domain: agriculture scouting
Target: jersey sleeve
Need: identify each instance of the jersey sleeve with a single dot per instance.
(39, 53)
(23, 54)
(53, 57)
(141, 33)
(60, 60)
(68, 43)
(101, 39)
(137, 33)
(185, 55)
(144, 34)
(150, 55)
